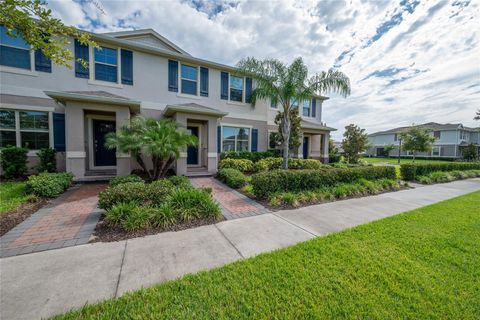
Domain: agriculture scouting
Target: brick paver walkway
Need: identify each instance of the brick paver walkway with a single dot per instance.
(234, 204)
(69, 220)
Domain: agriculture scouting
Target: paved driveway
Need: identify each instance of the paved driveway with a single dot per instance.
(47, 283)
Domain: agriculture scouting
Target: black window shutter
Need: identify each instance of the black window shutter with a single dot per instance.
(59, 131)
(127, 66)
(248, 90)
(204, 82)
(314, 107)
(81, 52)
(173, 75)
(254, 140)
(224, 86)
(219, 139)
(42, 63)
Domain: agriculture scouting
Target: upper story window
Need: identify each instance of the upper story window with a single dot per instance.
(436, 134)
(189, 77)
(106, 64)
(273, 105)
(307, 108)
(236, 88)
(395, 137)
(463, 135)
(293, 103)
(32, 129)
(14, 51)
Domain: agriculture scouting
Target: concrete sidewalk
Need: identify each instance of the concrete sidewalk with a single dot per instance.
(43, 284)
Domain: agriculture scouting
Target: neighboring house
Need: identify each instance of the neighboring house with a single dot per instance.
(135, 72)
(450, 140)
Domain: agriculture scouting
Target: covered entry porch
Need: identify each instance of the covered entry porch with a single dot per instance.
(89, 117)
(315, 139)
(201, 121)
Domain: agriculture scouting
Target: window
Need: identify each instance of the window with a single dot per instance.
(189, 77)
(8, 136)
(33, 129)
(436, 151)
(436, 134)
(307, 107)
(236, 139)
(395, 137)
(106, 63)
(14, 51)
(463, 135)
(273, 105)
(273, 140)
(236, 88)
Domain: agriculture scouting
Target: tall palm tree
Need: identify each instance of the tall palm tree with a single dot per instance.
(283, 84)
(161, 140)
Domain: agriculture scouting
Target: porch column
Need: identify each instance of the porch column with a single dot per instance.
(75, 140)
(316, 145)
(122, 116)
(181, 162)
(212, 156)
(325, 142)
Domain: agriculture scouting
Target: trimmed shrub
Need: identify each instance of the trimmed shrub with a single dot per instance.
(268, 183)
(194, 203)
(49, 185)
(180, 182)
(293, 163)
(158, 191)
(410, 171)
(243, 165)
(48, 161)
(125, 192)
(441, 176)
(13, 161)
(119, 180)
(252, 156)
(232, 178)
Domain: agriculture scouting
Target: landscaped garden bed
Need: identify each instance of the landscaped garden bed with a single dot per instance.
(134, 208)
(440, 172)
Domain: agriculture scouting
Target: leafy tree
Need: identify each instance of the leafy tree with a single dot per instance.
(388, 148)
(284, 84)
(333, 154)
(477, 115)
(161, 140)
(355, 141)
(470, 152)
(417, 139)
(33, 21)
(295, 129)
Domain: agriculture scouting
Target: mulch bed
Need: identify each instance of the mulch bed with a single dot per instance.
(11, 219)
(106, 233)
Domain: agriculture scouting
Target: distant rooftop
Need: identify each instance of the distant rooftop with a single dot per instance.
(434, 126)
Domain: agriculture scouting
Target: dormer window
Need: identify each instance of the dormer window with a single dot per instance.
(106, 64)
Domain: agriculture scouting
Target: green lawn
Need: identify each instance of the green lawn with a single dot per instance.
(402, 161)
(420, 265)
(12, 195)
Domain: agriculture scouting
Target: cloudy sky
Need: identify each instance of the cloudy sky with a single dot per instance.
(409, 61)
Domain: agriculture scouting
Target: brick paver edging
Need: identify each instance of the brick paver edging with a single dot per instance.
(234, 205)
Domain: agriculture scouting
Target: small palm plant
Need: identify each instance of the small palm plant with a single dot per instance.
(284, 84)
(161, 140)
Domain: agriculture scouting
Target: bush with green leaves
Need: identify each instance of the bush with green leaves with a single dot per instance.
(242, 165)
(232, 178)
(442, 176)
(48, 160)
(124, 179)
(252, 156)
(339, 191)
(180, 181)
(268, 164)
(193, 204)
(267, 183)
(49, 185)
(13, 161)
(411, 171)
(123, 193)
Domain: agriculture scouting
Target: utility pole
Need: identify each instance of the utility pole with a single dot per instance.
(399, 149)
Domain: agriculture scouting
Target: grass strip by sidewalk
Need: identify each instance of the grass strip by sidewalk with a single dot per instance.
(12, 195)
(423, 264)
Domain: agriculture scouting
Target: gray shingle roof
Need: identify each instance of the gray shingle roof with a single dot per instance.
(429, 125)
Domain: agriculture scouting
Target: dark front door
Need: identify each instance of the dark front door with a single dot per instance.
(305, 147)
(380, 152)
(102, 156)
(192, 151)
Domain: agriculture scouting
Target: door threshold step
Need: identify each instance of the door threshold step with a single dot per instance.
(199, 174)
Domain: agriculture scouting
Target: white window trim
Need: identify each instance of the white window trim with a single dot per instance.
(91, 63)
(439, 151)
(22, 71)
(238, 103)
(180, 78)
(18, 130)
(232, 125)
(310, 110)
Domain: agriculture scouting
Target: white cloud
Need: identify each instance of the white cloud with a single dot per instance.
(433, 47)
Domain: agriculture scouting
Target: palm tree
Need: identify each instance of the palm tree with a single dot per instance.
(161, 140)
(284, 84)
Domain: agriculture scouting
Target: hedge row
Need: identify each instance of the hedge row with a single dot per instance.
(410, 171)
(293, 163)
(252, 156)
(267, 183)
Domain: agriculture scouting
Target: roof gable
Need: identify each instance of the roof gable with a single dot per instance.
(148, 37)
